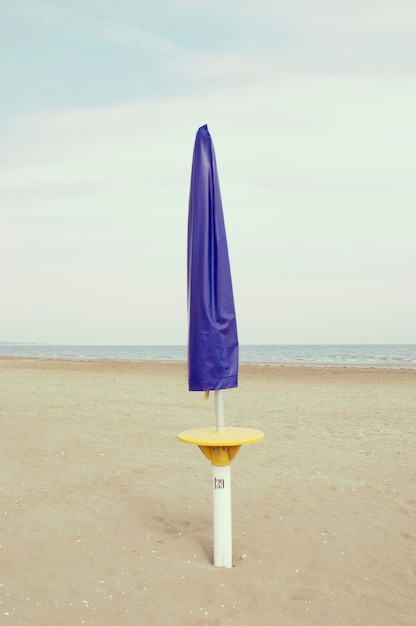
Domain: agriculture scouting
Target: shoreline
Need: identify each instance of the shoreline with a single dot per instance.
(242, 365)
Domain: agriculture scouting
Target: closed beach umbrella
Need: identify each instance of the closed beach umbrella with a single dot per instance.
(212, 341)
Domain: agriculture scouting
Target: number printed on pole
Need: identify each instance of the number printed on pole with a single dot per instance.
(219, 483)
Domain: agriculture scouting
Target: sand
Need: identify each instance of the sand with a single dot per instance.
(106, 518)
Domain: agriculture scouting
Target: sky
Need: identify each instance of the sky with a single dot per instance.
(311, 106)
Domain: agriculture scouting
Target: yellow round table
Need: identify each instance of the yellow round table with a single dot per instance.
(221, 447)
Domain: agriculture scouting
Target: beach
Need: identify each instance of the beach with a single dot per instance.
(106, 518)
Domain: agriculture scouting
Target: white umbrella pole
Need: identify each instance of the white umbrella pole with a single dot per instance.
(219, 411)
(221, 479)
(223, 548)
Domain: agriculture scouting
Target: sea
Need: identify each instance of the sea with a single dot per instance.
(388, 355)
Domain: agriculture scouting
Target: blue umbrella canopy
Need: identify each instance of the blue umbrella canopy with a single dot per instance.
(212, 341)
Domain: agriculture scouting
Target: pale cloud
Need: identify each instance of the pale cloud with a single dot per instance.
(351, 18)
(359, 127)
(358, 36)
(317, 183)
(318, 36)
